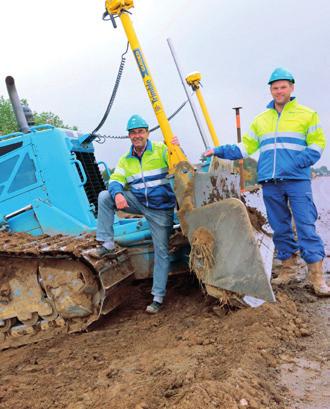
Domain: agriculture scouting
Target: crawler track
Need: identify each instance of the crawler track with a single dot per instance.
(50, 285)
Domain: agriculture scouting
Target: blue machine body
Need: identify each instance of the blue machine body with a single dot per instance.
(49, 183)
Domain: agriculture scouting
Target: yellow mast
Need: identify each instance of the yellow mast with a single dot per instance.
(120, 8)
(193, 80)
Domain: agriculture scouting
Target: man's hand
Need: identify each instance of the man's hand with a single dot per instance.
(121, 202)
(208, 153)
(175, 141)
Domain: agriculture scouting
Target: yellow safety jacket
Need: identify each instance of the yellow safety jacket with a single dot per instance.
(145, 177)
(289, 142)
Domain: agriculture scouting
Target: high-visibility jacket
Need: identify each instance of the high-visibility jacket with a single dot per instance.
(289, 142)
(145, 177)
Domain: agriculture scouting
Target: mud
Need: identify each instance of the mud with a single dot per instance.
(192, 355)
(222, 189)
(52, 284)
(306, 374)
(184, 192)
(257, 219)
(201, 259)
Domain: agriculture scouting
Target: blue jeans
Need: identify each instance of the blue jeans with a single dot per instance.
(297, 194)
(161, 225)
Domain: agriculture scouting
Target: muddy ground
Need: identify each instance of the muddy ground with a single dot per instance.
(194, 354)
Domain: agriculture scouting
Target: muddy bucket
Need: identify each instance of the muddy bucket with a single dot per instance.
(226, 251)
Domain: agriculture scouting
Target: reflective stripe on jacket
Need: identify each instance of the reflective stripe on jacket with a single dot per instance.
(289, 142)
(145, 177)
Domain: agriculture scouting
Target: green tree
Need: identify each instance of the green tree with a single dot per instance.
(52, 119)
(8, 121)
(7, 118)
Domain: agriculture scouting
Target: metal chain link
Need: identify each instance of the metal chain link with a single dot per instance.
(102, 138)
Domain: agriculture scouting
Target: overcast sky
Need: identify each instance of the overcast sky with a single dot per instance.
(65, 60)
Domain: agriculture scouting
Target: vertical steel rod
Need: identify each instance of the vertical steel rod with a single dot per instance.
(191, 102)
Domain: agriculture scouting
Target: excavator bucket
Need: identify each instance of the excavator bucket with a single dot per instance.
(227, 251)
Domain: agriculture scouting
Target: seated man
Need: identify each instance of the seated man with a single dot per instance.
(143, 170)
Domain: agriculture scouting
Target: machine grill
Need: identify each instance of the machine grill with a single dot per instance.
(95, 183)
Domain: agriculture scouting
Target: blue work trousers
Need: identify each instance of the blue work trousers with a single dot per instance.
(298, 195)
(161, 226)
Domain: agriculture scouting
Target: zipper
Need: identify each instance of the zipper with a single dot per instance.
(276, 132)
(145, 188)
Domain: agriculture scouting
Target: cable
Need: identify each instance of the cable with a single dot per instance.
(114, 91)
(171, 116)
(102, 138)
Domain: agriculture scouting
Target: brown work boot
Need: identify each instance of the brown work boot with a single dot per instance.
(317, 279)
(288, 271)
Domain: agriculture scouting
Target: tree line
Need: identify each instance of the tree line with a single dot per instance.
(8, 122)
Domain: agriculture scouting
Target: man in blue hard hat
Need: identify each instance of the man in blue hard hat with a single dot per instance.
(290, 140)
(142, 172)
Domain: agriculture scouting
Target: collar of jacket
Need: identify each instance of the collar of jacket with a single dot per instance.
(291, 103)
(148, 148)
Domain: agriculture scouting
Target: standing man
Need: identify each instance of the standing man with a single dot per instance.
(290, 139)
(143, 170)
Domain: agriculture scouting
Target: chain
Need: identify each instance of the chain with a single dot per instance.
(102, 138)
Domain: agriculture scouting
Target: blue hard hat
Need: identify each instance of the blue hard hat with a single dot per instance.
(136, 121)
(281, 74)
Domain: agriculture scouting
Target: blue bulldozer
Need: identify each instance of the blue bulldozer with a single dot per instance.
(49, 187)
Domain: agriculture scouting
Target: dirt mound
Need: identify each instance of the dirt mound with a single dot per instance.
(192, 355)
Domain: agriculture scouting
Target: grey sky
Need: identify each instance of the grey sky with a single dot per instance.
(65, 59)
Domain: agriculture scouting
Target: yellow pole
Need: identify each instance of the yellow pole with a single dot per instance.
(119, 7)
(207, 117)
(193, 80)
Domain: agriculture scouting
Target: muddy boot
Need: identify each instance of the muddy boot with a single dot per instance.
(288, 271)
(101, 251)
(154, 307)
(317, 279)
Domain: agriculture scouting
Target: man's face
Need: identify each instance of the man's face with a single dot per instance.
(281, 91)
(138, 137)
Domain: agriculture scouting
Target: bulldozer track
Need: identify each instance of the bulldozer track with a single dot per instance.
(50, 285)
